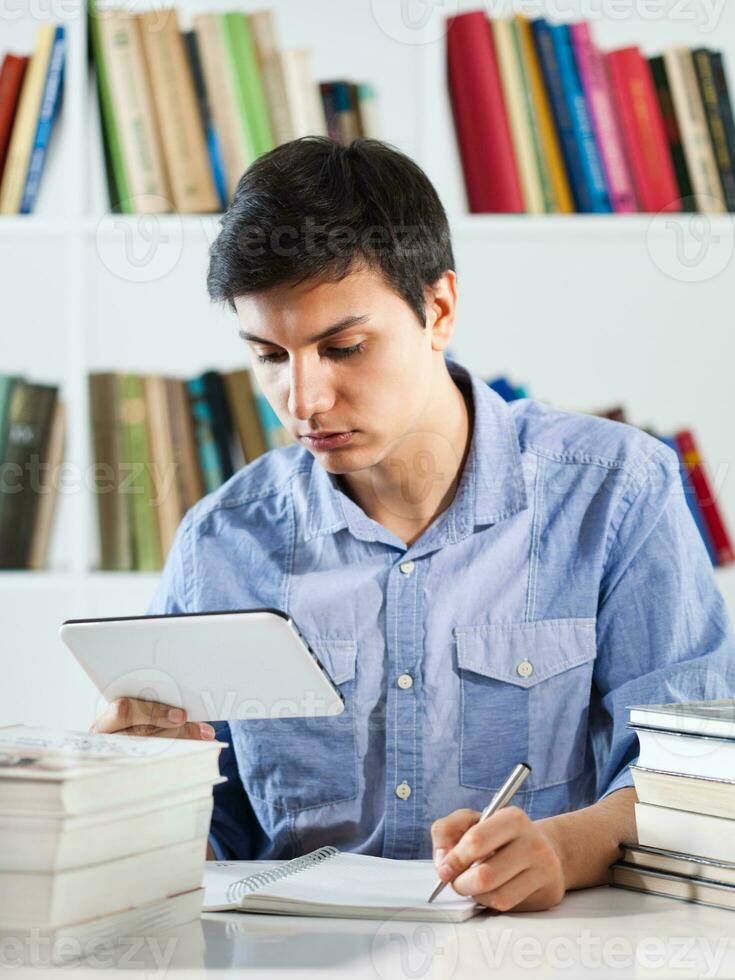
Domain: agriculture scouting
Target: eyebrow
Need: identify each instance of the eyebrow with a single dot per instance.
(349, 321)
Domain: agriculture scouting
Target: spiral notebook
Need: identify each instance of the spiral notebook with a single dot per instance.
(337, 884)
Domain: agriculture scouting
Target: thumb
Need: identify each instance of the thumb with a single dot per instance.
(447, 831)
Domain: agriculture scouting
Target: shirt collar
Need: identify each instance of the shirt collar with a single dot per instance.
(491, 487)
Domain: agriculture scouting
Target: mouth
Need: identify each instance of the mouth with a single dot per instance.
(327, 440)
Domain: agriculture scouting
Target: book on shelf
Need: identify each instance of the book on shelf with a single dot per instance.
(32, 438)
(186, 111)
(101, 833)
(685, 813)
(635, 133)
(30, 97)
(161, 443)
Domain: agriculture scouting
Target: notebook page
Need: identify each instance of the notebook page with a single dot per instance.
(360, 880)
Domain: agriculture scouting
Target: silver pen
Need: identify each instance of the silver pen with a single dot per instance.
(504, 795)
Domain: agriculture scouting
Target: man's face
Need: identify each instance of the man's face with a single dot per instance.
(369, 382)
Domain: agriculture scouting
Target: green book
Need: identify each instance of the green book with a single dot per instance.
(136, 474)
(117, 181)
(251, 101)
(7, 383)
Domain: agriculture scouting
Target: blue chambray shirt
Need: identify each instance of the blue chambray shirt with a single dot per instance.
(565, 581)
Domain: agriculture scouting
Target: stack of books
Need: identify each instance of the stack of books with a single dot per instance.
(696, 484)
(685, 816)
(547, 122)
(32, 428)
(161, 443)
(184, 114)
(101, 836)
(30, 95)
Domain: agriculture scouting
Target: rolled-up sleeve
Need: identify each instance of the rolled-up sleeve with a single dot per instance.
(233, 822)
(663, 632)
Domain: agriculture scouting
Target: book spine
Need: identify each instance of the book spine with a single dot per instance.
(25, 122)
(117, 185)
(481, 121)
(700, 157)
(205, 116)
(29, 425)
(142, 177)
(48, 111)
(715, 123)
(140, 486)
(206, 446)
(11, 83)
(531, 114)
(705, 497)
(643, 131)
(550, 150)
(596, 86)
(214, 391)
(244, 61)
(581, 123)
(673, 134)
(49, 490)
(723, 95)
(552, 77)
(691, 498)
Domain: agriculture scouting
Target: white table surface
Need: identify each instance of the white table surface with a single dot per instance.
(599, 932)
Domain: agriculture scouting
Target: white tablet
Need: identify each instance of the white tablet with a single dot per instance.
(250, 663)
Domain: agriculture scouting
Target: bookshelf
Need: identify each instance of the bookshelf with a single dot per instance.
(80, 295)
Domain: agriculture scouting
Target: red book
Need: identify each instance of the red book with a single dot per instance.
(705, 497)
(11, 79)
(643, 130)
(480, 117)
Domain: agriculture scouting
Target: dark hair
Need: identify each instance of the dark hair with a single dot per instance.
(337, 207)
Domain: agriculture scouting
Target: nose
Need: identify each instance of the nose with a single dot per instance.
(309, 390)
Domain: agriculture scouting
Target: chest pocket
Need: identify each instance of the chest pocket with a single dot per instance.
(295, 763)
(524, 697)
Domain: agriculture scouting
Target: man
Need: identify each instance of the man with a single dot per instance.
(486, 583)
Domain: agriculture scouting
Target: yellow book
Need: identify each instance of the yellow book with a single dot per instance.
(26, 122)
(520, 125)
(563, 200)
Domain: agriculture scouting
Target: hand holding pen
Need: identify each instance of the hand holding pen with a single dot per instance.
(500, 856)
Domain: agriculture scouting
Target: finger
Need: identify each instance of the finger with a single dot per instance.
(192, 729)
(127, 712)
(515, 891)
(482, 839)
(446, 831)
(494, 871)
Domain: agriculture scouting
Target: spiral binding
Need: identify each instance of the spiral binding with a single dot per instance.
(237, 889)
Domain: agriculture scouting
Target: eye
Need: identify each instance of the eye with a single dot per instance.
(336, 352)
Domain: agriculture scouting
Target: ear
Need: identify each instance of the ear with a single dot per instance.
(441, 301)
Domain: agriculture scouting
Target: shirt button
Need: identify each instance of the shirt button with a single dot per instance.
(405, 681)
(524, 668)
(407, 567)
(403, 790)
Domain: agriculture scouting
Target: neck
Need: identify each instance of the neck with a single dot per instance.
(418, 478)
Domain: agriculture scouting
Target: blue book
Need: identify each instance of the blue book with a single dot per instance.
(207, 451)
(691, 499)
(560, 111)
(50, 101)
(505, 389)
(273, 432)
(584, 134)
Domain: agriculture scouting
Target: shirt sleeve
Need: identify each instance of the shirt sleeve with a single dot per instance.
(233, 822)
(663, 632)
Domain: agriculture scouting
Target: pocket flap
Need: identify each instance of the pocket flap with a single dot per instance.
(338, 657)
(525, 653)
